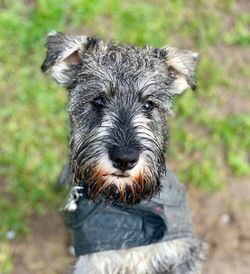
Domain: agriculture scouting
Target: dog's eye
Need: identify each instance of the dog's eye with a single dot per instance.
(98, 102)
(148, 105)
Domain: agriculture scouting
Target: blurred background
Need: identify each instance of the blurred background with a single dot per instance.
(209, 135)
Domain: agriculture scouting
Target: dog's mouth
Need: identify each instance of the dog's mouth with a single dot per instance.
(118, 178)
(119, 175)
(117, 187)
(128, 187)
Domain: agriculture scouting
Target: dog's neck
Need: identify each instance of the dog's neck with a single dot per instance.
(97, 226)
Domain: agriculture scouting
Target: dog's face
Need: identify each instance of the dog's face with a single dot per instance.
(119, 97)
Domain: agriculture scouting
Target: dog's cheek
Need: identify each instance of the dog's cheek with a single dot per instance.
(157, 125)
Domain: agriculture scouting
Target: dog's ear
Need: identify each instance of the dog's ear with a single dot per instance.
(181, 66)
(64, 56)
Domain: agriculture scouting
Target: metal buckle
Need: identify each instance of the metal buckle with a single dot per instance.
(74, 195)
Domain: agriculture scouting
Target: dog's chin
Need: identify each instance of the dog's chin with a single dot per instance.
(122, 188)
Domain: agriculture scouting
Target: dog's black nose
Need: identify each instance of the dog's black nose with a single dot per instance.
(123, 158)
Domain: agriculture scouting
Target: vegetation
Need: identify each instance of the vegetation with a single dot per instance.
(209, 140)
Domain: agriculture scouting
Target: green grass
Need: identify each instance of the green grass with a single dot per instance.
(206, 145)
(239, 33)
(5, 259)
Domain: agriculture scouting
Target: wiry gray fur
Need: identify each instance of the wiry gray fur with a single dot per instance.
(119, 97)
(180, 256)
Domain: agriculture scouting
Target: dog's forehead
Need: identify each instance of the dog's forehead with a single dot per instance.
(123, 57)
(121, 68)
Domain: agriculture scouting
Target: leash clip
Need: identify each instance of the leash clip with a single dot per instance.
(74, 195)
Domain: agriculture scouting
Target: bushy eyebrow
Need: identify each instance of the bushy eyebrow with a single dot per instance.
(152, 89)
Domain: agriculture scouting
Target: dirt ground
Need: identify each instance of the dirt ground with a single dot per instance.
(45, 250)
(222, 219)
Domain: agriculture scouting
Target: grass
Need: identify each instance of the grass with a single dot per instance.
(5, 259)
(206, 145)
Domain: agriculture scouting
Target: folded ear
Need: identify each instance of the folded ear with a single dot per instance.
(181, 65)
(63, 55)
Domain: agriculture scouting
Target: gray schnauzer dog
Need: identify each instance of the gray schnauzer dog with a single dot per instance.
(119, 97)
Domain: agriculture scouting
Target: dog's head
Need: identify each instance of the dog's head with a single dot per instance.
(119, 97)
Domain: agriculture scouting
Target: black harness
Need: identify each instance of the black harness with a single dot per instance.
(98, 227)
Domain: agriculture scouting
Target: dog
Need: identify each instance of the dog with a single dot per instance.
(118, 99)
